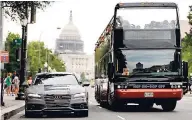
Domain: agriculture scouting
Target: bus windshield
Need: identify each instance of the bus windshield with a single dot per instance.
(147, 18)
(147, 62)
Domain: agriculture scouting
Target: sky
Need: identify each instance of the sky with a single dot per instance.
(90, 16)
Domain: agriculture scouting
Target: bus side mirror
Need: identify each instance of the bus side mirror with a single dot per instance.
(185, 69)
(118, 38)
(110, 71)
(185, 75)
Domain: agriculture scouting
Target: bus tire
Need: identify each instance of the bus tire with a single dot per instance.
(169, 105)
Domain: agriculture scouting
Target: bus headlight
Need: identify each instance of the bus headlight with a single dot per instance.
(176, 84)
(122, 86)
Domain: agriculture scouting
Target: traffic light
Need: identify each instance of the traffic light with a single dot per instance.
(18, 54)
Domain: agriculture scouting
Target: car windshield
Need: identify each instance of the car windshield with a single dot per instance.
(147, 62)
(66, 79)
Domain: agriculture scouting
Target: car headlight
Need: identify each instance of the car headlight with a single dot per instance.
(79, 95)
(34, 96)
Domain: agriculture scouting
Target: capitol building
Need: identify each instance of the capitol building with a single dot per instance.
(70, 49)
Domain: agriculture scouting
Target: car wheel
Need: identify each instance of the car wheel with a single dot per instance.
(31, 114)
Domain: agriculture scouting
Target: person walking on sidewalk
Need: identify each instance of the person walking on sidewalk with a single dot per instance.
(16, 84)
(30, 81)
(13, 84)
(8, 84)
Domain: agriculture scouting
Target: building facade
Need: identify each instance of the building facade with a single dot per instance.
(70, 49)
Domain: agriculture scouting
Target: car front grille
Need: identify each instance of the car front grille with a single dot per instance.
(57, 100)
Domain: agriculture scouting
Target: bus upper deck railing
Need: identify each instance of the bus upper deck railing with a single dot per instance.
(147, 4)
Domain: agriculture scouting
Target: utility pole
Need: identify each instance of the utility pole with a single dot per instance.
(25, 44)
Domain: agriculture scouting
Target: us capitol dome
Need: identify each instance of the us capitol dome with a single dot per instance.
(69, 48)
(69, 41)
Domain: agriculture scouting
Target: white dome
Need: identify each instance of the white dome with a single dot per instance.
(70, 31)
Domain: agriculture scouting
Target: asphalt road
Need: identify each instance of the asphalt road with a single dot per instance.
(182, 112)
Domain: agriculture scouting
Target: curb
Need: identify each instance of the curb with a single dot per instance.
(14, 110)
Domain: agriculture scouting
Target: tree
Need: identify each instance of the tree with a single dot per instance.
(16, 9)
(45, 54)
(83, 78)
(11, 48)
(187, 43)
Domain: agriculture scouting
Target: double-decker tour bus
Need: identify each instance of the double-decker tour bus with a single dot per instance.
(139, 55)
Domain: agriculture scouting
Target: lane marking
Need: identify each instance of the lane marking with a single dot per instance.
(120, 117)
(100, 107)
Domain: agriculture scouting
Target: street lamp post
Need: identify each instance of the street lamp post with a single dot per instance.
(24, 23)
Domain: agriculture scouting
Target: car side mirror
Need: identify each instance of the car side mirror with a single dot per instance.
(110, 71)
(80, 82)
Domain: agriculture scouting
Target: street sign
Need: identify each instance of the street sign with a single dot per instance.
(4, 56)
(17, 41)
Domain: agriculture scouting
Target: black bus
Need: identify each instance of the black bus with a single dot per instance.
(139, 54)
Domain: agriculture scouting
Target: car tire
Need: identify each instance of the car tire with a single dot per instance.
(30, 114)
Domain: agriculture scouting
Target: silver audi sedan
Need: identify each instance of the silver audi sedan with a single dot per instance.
(56, 92)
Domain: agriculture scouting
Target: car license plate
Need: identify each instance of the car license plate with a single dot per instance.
(148, 94)
(61, 101)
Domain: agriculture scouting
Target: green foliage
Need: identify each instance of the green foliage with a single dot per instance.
(16, 9)
(83, 78)
(45, 54)
(11, 47)
(187, 44)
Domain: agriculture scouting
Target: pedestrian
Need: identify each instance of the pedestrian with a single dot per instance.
(8, 84)
(13, 84)
(16, 83)
(29, 81)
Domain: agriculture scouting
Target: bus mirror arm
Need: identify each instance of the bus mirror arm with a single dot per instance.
(110, 71)
(185, 73)
(185, 69)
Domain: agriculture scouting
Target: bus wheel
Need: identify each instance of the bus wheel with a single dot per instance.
(104, 104)
(169, 105)
(114, 104)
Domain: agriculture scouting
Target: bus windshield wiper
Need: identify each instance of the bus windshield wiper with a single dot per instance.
(158, 76)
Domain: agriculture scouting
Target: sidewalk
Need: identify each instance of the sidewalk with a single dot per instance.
(11, 107)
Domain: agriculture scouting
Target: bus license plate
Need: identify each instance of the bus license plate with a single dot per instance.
(148, 94)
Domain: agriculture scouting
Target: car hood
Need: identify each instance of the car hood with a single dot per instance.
(56, 89)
